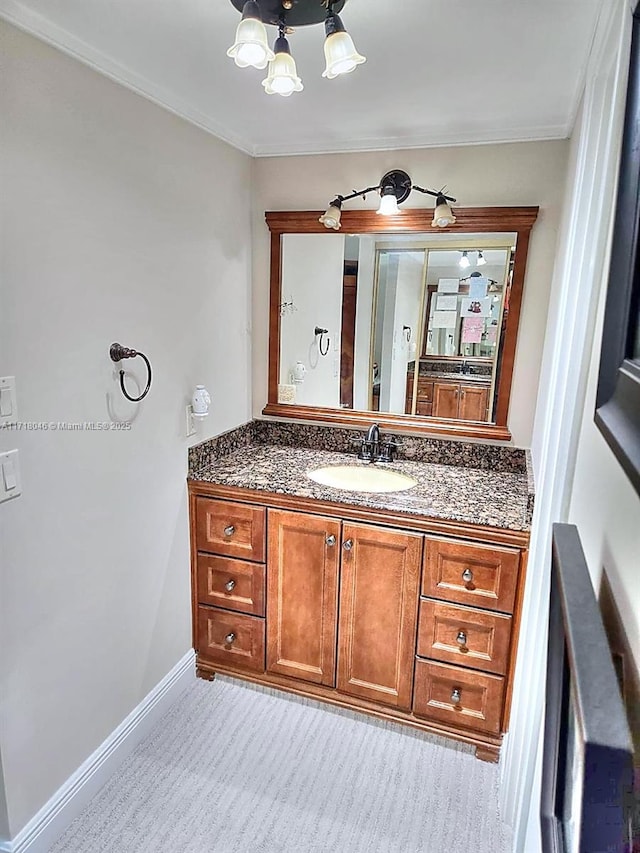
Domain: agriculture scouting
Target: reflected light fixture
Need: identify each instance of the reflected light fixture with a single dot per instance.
(394, 188)
(481, 260)
(464, 261)
(251, 48)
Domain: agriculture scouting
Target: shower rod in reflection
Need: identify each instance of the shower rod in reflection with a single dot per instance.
(117, 353)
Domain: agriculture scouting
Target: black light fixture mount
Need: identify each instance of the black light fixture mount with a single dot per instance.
(300, 13)
(394, 188)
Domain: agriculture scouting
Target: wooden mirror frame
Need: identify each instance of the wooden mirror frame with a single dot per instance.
(472, 220)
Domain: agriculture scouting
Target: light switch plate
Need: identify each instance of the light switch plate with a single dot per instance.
(8, 405)
(10, 483)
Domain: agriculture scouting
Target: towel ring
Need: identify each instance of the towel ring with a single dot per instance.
(117, 353)
(322, 333)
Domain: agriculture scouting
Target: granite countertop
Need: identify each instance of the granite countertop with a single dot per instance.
(485, 496)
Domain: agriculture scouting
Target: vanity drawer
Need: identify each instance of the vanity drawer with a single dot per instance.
(425, 391)
(464, 635)
(232, 639)
(423, 408)
(458, 697)
(233, 584)
(230, 529)
(479, 575)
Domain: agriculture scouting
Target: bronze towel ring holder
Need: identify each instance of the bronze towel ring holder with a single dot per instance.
(117, 353)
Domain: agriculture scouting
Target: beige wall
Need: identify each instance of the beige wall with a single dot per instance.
(513, 174)
(110, 231)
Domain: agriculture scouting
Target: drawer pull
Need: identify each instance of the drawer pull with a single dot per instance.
(461, 639)
(230, 585)
(230, 530)
(455, 696)
(230, 638)
(467, 576)
(331, 539)
(348, 544)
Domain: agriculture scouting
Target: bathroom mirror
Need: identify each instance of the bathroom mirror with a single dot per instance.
(391, 320)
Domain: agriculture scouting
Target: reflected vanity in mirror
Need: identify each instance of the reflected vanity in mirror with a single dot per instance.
(396, 322)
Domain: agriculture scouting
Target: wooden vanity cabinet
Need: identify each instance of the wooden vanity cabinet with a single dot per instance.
(378, 609)
(402, 617)
(465, 402)
(303, 558)
(448, 398)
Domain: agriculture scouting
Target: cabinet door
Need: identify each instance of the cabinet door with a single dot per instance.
(445, 399)
(378, 613)
(473, 402)
(303, 557)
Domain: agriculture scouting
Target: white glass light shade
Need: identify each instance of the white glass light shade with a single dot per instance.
(250, 46)
(481, 261)
(340, 54)
(388, 205)
(442, 216)
(331, 217)
(283, 78)
(464, 261)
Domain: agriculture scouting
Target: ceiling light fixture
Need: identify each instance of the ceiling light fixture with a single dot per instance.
(251, 46)
(464, 261)
(394, 188)
(283, 76)
(481, 260)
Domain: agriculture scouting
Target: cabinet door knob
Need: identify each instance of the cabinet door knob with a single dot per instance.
(331, 539)
(230, 585)
(455, 696)
(348, 544)
(230, 638)
(467, 576)
(229, 530)
(461, 639)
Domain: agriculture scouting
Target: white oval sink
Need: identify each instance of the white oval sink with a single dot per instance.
(356, 478)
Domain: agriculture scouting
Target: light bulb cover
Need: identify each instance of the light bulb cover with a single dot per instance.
(331, 217)
(283, 76)
(464, 261)
(339, 50)
(442, 215)
(481, 260)
(388, 203)
(251, 47)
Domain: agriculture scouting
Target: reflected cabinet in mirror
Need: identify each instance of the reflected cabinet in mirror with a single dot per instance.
(394, 321)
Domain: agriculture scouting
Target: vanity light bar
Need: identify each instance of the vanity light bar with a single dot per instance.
(394, 188)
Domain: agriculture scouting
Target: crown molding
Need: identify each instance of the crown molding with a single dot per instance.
(38, 26)
(17, 14)
(427, 140)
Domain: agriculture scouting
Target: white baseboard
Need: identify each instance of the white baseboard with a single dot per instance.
(71, 798)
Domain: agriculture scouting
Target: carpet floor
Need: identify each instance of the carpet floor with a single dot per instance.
(238, 768)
